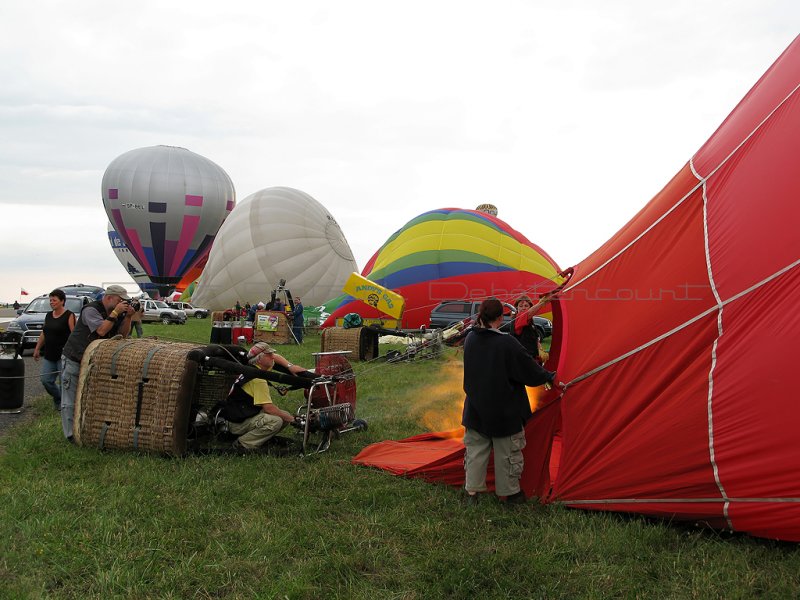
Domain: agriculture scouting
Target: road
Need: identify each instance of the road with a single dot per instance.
(33, 387)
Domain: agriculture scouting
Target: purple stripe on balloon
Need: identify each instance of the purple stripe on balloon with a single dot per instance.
(194, 200)
(169, 257)
(158, 237)
(189, 228)
(157, 207)
(229, 205)
(113, 193)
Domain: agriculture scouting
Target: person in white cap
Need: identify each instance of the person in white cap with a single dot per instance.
(249, 410)
(99, 319)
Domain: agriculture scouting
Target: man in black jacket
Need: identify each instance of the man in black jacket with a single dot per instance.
(496, 370)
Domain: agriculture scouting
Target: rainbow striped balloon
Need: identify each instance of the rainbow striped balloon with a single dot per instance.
(453, 254)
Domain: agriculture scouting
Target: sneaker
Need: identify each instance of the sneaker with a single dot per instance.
(518, 498)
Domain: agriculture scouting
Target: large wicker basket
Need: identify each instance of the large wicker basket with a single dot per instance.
(136, 395)
(362, 342)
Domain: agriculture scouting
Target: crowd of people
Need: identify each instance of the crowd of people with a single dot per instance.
(293, 311)
(497, 368)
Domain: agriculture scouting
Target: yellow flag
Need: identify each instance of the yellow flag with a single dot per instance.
(375, 295)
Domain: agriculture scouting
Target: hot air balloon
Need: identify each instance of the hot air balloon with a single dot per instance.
(167, 204)
(683, 404)
(452, 254)
(129, 262)
(276, 233)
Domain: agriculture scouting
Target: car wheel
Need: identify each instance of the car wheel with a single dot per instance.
(165, 320)
(198, 315)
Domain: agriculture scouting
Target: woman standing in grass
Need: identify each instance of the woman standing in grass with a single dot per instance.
(58, 324)
(496, 370)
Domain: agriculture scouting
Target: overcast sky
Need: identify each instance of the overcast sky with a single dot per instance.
(568, 116)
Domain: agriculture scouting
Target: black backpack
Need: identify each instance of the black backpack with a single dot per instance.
(238, 406)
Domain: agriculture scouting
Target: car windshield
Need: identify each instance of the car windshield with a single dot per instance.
(160, 304)
(42, 305)
(39, 305)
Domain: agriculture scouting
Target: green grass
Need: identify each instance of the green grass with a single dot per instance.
(79, 523)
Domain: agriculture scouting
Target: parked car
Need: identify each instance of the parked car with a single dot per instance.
(156, 310)
(450, 312)
(31, 321)
(191, 311)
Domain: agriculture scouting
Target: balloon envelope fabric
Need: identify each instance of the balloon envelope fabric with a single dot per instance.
(278, 233)
(167, 204)
(684, 403)
(453, 254)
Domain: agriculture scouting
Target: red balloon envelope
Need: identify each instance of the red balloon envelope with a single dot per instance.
(684, 404)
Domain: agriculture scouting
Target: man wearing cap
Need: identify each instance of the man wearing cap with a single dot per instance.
(99, 319)
(249, 409)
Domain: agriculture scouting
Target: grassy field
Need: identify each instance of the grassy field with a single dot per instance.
(79, 523)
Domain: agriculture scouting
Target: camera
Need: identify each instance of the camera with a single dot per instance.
(136, 305)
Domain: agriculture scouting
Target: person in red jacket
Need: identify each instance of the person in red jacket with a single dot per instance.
(523, 328)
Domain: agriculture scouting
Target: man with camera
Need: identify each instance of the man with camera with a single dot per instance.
(99, 319)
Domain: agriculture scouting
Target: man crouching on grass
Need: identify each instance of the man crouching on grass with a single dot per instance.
(249, 409)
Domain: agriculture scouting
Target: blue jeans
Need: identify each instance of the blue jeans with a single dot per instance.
(51, 369)
(69, 385)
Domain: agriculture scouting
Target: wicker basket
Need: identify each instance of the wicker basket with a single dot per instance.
(362, 342)
(136, 395)
(280, 332)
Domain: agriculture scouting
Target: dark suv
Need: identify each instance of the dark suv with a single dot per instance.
(450, 312)
(31, 321)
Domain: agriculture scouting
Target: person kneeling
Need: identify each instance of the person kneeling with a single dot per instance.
(249, 410)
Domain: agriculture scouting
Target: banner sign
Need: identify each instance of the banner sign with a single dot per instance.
(377, 296)
(267, 322)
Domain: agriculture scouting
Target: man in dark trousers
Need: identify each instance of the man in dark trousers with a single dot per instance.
(297, 320)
